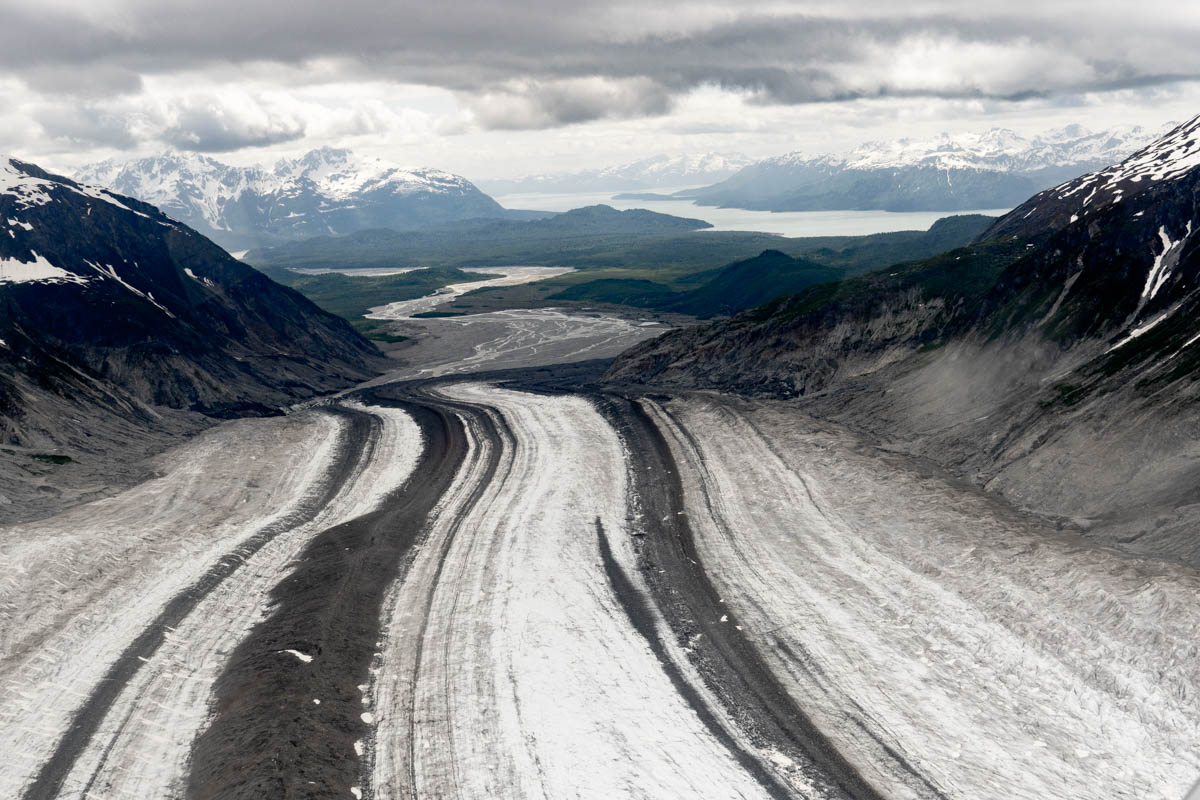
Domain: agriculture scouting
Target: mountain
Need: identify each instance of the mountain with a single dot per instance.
(115, 320)
(480, 242)
(326, 192)
(656, 172)
(995, 169)
(1054, 360)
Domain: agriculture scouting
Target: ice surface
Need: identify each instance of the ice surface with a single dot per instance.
(531, 681)
(513, 338)
(917, 620)
(127, 556)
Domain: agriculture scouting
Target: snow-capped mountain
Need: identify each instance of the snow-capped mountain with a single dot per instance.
(327, 191)
(997, 149)
(994, 169)
(1171, 158)
(656, 172)
(108, 308)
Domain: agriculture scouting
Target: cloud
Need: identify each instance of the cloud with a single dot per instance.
(99, 80)
(216, 125)
(87, 126)
(536, 105)
(535, 63)
(223, 75)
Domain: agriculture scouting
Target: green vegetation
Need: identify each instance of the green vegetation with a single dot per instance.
(624, 291)
(679, 273)
(961, 277)
(350, 297)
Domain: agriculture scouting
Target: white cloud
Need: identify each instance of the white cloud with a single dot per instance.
(230, 121)
(506, 88)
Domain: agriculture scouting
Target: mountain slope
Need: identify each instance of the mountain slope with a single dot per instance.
(1055, 360)
(327, 191)
(995, 169)
(112, 314)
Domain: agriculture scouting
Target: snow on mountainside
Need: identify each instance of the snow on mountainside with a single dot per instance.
(994, 169)
(656, 172)
(104, 293)
(326, 191)
(997, 149)
(1170, 158)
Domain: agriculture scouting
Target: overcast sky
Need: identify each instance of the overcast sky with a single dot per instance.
(497, 89)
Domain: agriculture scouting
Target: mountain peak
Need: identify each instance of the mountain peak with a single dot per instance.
(1170, 157)
(996, 149)
(29, 185)
(328, 190)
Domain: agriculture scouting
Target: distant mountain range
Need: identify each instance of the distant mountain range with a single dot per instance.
(325, 192)
(656, 172)
(554, 240)
(112, 315)
(1056, 359)
(995, 169)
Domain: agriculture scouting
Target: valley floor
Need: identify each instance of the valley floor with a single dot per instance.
(462, 588)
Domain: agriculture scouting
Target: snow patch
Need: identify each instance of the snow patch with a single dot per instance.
(1169, 158)
(305, 657)
(31, 191)
(1161, 271)
(39, 270)
(109, 271)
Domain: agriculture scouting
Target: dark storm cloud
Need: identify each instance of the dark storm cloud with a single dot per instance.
(536, 64)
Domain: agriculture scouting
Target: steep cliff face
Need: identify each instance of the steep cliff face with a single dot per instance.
(1054, 360)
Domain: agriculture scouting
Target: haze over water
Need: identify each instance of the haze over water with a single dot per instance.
(785, 223)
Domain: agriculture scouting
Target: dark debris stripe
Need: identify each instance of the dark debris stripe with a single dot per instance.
(268, 738)
(86, 721)
(727, 660)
